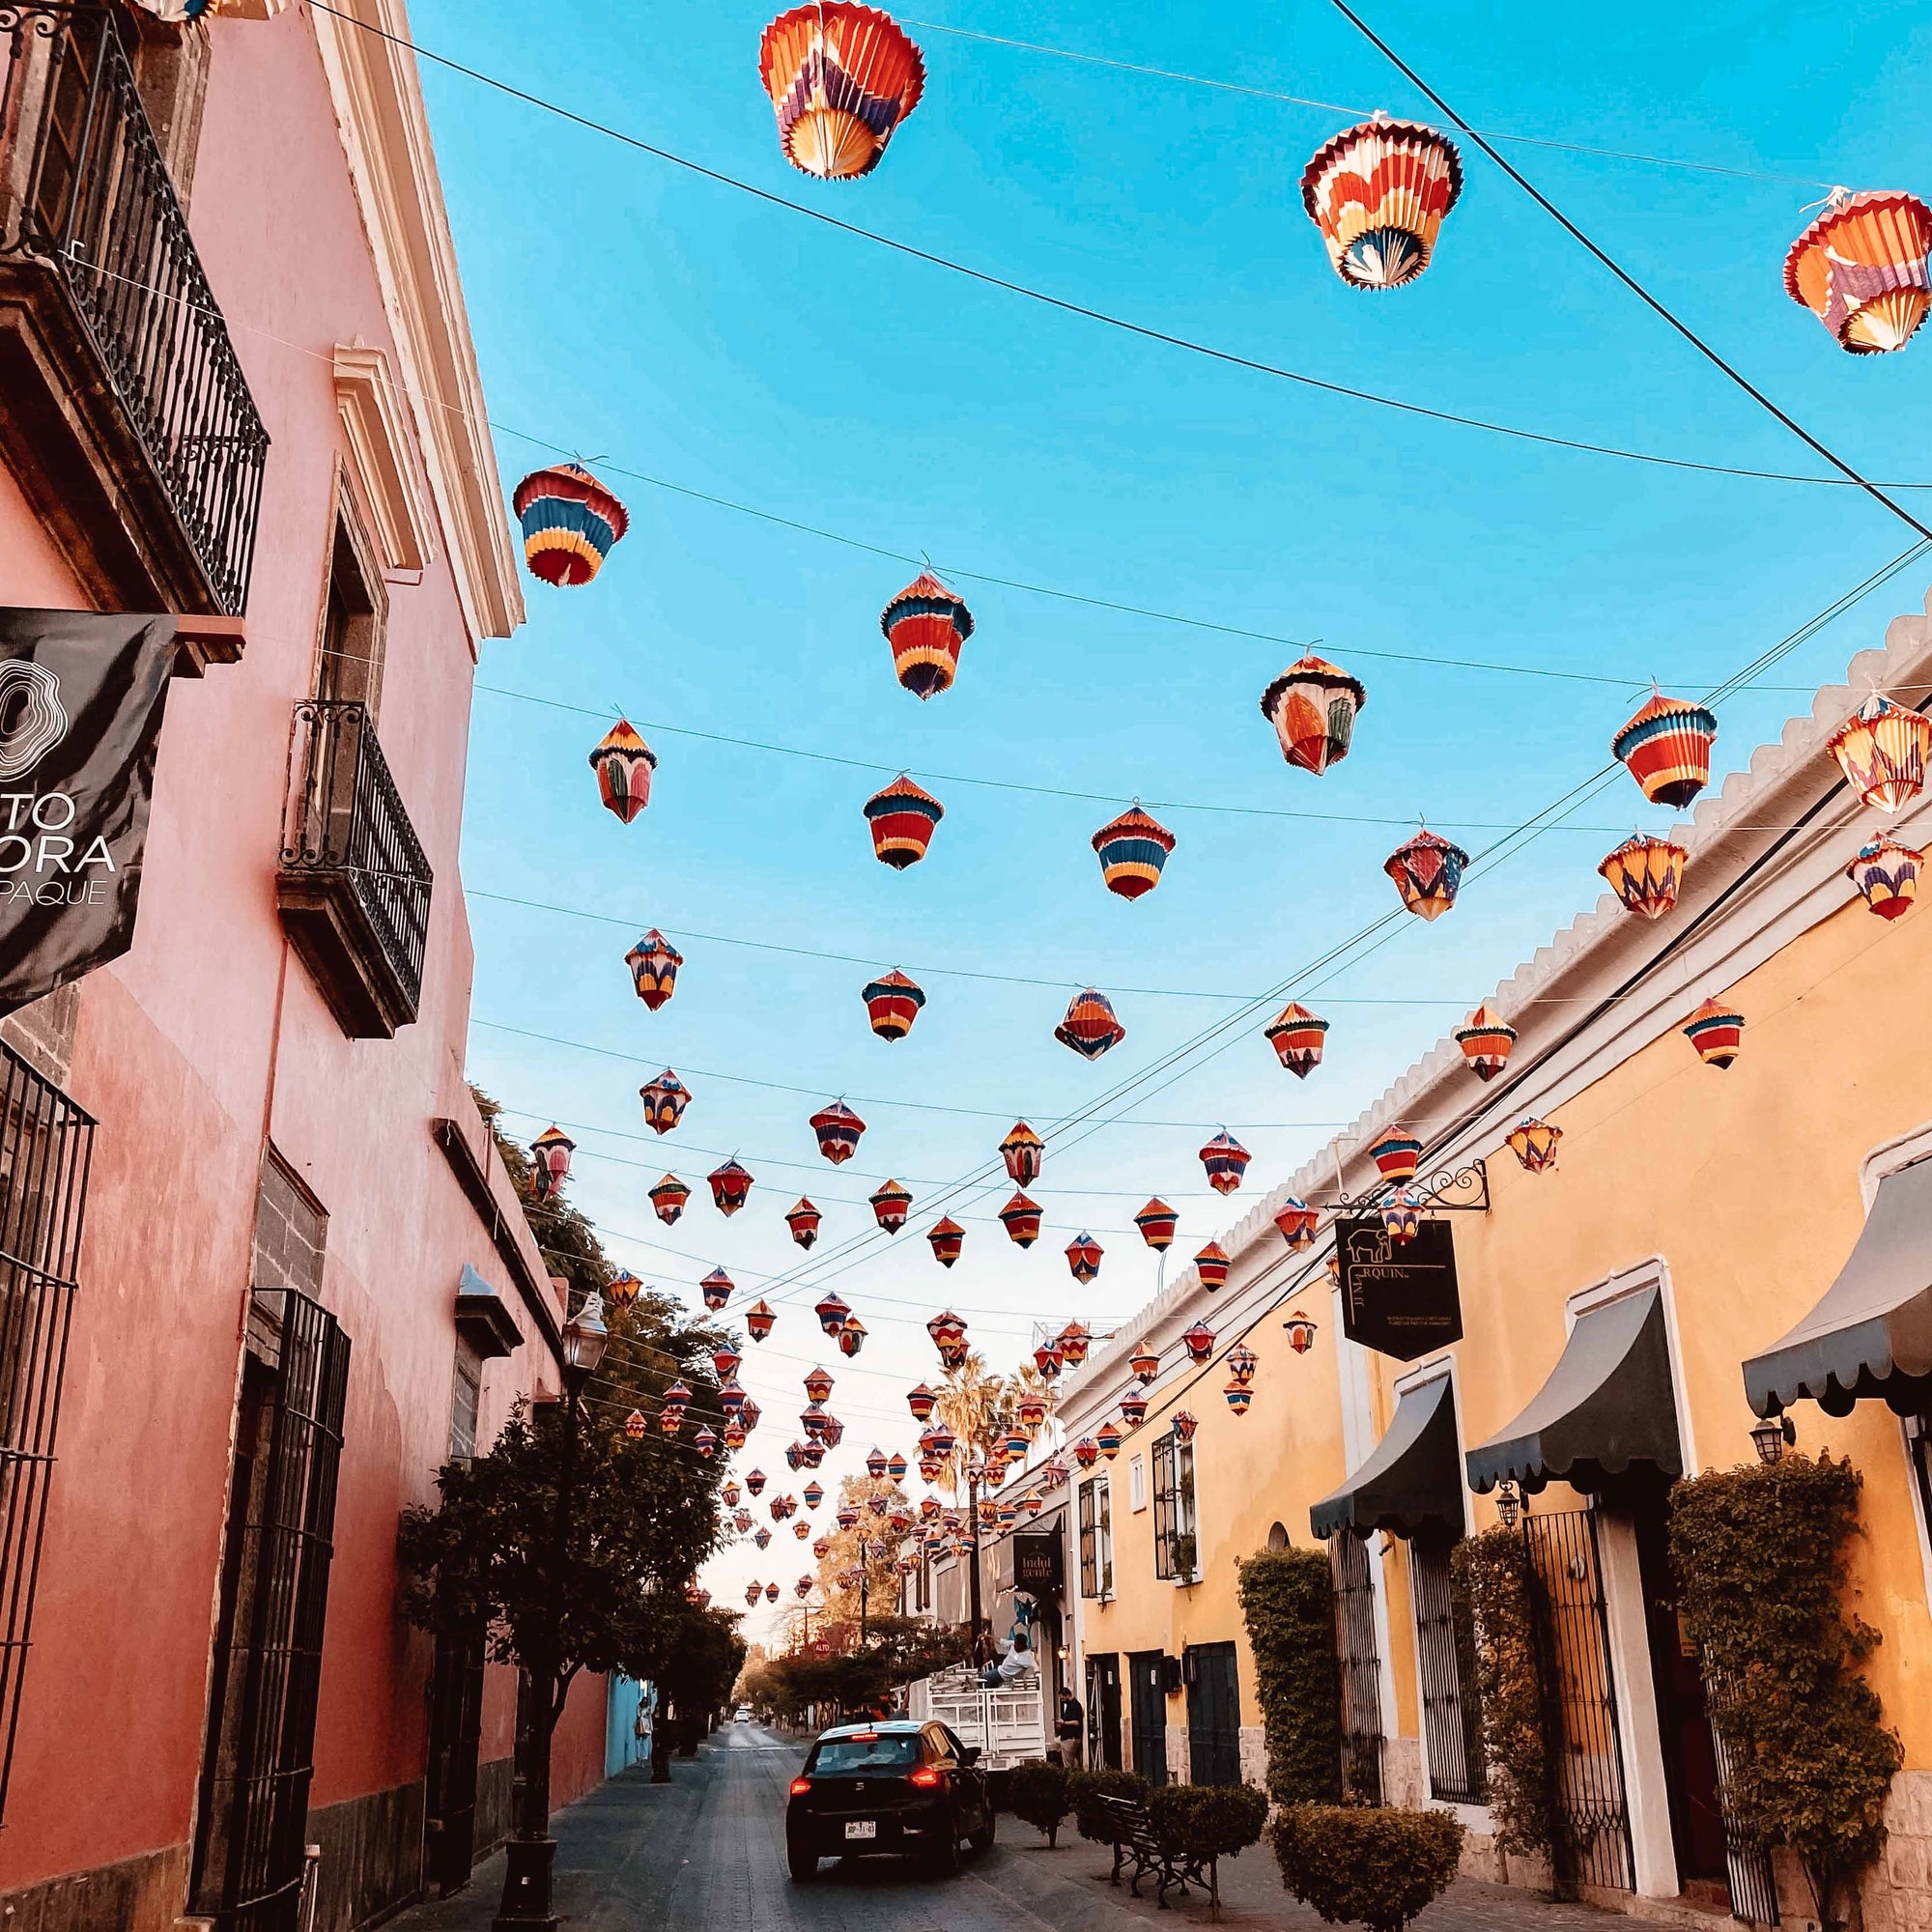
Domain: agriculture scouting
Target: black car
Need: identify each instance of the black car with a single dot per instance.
(895, 1786)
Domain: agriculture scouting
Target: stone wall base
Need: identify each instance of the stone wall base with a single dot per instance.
(372, 1856)
(138, 1894)
(1254, 1757)
(1179, 1758)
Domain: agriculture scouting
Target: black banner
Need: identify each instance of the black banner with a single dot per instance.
(81, 699)
(1399, 1297)
(1038, 1562)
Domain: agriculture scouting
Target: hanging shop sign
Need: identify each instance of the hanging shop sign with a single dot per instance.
(1399, 1297)
(1038, 1563)
(82, 698)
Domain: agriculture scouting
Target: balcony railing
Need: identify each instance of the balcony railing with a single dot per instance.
(355, 884)
(88, 199)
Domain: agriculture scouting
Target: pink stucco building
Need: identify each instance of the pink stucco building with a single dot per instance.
(236, 382)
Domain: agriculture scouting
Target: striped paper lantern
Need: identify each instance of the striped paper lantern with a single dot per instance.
(1132, 850)
(668, 1197)
(570, 522)
(1427, 873)
(1298, 1222)
(1397, 1156)
(665, 1100)
(1882, 751)
(1133, 1413)
(1083, 1255)
(1485, 1039)
(1226, 1161)
(1157, 1222)
(550, 1161)
(654, 962)
(802, 1219)
(1861, 267)
(1212, 1265)
(892, 1003)
(1090, 1026)
(902, 819)
(921, 1401)
(1022, 1150)
(838, 1130)
(624, 764)
(1020, 1217)
(1239, 1397)
(1073, 1342)
(1667, 748)
(926, 626)
(716, 1288)
(1145, 1364)
(1312, 706)
(1298, 1037)
(1379, 192)
(948, 1238)
(1646, 873)
(842, 78)
(1717, 1033)
(890, 1204)
(730, 1186)
(1107, 1439)
(1886, 875)
(831, 1311)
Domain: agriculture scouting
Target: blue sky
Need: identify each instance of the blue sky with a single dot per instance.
(635, 313)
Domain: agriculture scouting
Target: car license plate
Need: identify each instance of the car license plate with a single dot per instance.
(862, 1827)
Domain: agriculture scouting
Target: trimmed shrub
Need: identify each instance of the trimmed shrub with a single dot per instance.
(1287, 1602)
(1492, 1572)
(1084, 1786)
(1036, 1795)
(1209, 1821)
(1364, 1865)
(1761, 1553)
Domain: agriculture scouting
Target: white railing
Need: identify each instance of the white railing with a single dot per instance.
(1006, 1725)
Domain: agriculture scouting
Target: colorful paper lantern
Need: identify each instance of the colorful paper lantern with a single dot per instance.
(1298, 1038)
(1199, 1342)
(1485, 1039)
(771, 1589)
(889, 1203)
(1860, 268)
(717, 1288)
(1014, 1444)
(734, 1429)
(730, 1186)
(1379, 192)
(1427, 873)
(1298, 1222)
(550, 1161)
(622, 1292)
(831, 1310)
(758, 1320)
(1301, 1332)
(1226, 1161)
(731, 1398)
(1133, 1413)
(1090, 1026)
(814, 1420)
(676, 1396)
(940, 1439)
(762, 1536)
(635, 1425)
(837, 1128)
(842, 78)
(947, 1237)
(624, 764)
(892, 1003)
(665, 1100)
(1184, 1424)
(1882, 749)
(1242, 1362)
(948, 1332)
(1145, 1363)
(1083, 1255)
(802, 1588)
(1534, 1144)
(921, 1401)
(751, 1414)
(925, 625)
(569, 523)
(1046, 1361)
(896, 1467)
(1646, 873)
(902, 819)
(1887, 874)
(1132, 850)
(1020, 1217)
(1212, 1265)
(725, 1361)
(1157, 1222)
(1397, 1156)
(1667, 748)
(1312, 706)
(1073, 1341)
(1023, 1150)
(818, 1385)
(753, 1592)
(851, 1336)
(756, 1481)
(705, 1441)
(654, 962)
(1239, 1397)
(1402, 1216)
(1717, 1033)
(802, 1218)
(1087, 1451)
(1108, 1439)
(668, 1197)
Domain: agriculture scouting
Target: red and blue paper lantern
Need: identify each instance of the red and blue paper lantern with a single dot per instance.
(1397, 1156)
(1132, 850)
(1226, 1161)
(838, 1130)
(1886, 876)
(1212, 1265)
(570, 522)
(1667, 748)
(730, 1186)
(1297, 1037)
(623, 763)
(667, 1198)
(890, 1204)
(1485, 1039)
(1427, 873)
(665, 1100)
(948, 1238)
(718, 1288)
(831, 1309)
(1298, 1222)
(1157, 1222)
(1107, 1439)
(1083, 1255)
(1020, 1217)
(654, 962)
(851, 1336)
(925, 625)
(1717, 1033)
(902, 819)
(1090, 1026)
(892, 1003)
(1022, 1150)
(1239, 1397)
(1312, 706)
(802, 1219)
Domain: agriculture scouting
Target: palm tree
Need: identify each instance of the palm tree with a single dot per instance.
(974, 1404)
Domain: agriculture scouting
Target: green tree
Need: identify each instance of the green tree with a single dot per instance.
(1288, 1603)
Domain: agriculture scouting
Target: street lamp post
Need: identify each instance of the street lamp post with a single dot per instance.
(532, 1854)
(974, 1470)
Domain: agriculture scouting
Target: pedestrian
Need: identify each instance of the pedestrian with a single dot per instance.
(1071, 1727)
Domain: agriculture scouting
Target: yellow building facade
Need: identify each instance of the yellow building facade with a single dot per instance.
(1694, 1216)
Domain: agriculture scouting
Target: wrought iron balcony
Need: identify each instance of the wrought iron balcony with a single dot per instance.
(127, 413)
(353, 890)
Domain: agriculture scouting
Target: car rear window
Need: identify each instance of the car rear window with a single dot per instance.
(880, 1752)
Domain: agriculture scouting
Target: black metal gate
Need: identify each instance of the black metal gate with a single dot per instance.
(1103, 1712)
(1747, 1863)
(1213, 1713)
(1443, 1640)
(1148, 1704)
(45, 1144)
(1361, 1668)
(1582, 1741)
(257, 1764)
(455, 1741)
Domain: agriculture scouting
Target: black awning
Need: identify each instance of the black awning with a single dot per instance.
(1607, 1407)
(1871, 1334)
(1409, 1483)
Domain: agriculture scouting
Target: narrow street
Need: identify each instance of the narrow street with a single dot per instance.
(707, 1853)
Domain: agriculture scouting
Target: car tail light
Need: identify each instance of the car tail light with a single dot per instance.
(800, 1786)
(925, 1777)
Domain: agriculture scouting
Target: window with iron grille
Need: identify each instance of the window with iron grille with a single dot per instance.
(1096, 1537)
(1445, 1647)
(466, 1401)
(1361, 1667)
(1175, 1554)
(45, 1143)
(1163, 1507)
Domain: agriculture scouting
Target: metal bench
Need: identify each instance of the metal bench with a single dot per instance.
(1135, 1841)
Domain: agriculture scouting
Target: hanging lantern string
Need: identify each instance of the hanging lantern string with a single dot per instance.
(1357, 113)
(985, 279)
(1874, 491)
